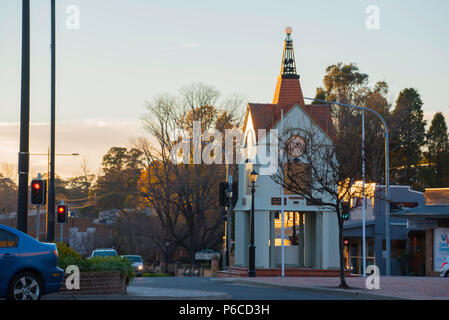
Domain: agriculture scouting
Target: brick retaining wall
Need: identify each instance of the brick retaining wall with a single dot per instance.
(98, 283)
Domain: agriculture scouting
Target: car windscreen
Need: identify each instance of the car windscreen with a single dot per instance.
(134, 258)
(108, 253)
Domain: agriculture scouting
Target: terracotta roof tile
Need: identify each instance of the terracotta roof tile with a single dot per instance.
(266, 116)
(288, 90)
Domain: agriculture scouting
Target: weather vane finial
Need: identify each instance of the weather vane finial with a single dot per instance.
(288, 67)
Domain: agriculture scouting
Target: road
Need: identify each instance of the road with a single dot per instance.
(234, 291)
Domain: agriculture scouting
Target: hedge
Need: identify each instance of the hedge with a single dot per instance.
(67, 256)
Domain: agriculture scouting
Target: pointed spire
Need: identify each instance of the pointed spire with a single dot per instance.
(288, 89)
(288, 66)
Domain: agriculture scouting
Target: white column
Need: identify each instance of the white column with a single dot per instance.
(241, 238)
(309, 239)
(261, 238)
(318, 252)
(272, 241)
(301, 240)
(330, 241)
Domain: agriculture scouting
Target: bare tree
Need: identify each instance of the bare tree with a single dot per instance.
(185, 195)
(87, 176)
(322, 170)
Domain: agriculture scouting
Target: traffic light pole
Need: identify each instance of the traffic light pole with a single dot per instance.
(38, 215)
(51, 187)
(24, 157)
(228, 225)
(61, 230)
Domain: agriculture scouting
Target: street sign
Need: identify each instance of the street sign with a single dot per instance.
(207, 255)
(421, 224)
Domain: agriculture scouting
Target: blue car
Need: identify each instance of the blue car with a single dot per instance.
(28, 268)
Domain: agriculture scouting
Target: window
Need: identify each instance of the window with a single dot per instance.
(7, 239)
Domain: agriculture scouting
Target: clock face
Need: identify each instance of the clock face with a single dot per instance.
(295, 145)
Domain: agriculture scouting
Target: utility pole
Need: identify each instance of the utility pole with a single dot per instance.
(51, 187)
(24, 157)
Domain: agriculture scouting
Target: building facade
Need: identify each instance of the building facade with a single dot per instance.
(311, 231)
(432, 219)
(407, 242)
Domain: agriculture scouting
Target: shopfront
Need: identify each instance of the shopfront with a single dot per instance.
(430, 252)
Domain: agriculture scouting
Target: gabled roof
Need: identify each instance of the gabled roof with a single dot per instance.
(267, 115)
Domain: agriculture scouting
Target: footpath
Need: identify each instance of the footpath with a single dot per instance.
(420, 288)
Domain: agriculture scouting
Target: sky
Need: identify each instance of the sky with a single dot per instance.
(127, 51)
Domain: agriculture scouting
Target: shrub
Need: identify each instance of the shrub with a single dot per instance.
(99, 264)
(66, 251)
(111, 264)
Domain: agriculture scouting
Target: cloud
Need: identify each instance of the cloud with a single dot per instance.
(91, 138)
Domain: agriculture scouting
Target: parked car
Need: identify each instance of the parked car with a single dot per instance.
(28, 267)
(136, 262)
(106, 252)
(445, 268)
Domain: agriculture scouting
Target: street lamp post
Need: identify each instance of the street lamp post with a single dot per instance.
(228, 234)
(252, 249)
(387, 175)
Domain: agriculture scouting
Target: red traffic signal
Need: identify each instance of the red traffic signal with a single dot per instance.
(61, 212)
(38, 191)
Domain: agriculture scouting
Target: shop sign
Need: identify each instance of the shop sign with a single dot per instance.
(421, 224)
(440, 247)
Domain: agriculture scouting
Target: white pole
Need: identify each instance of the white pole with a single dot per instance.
(363, 191)
(282, 205)
(228, 224)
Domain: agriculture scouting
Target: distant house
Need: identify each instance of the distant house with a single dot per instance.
(406, 240)
(433, 220)
(83, 234)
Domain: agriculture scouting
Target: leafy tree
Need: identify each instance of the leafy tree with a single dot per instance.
(437, 172)
(437, 137)
(376, 99)
(407, 138)
(343, 82)
(8, 195)
(320, 95)
(116, 187)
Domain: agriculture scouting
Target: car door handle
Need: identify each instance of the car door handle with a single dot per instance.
(8, 256)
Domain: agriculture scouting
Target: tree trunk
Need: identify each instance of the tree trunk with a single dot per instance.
(343, 283)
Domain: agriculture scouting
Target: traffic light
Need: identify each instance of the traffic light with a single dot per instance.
(38, 191)
(235, 193)
(345, 211)
(62, 213)
(222, 192)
